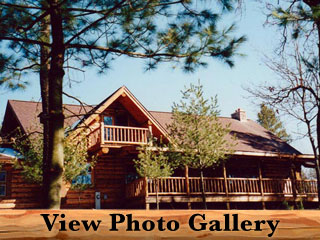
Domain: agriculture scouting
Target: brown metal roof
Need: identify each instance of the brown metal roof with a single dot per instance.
(27, 113)
(251, 137)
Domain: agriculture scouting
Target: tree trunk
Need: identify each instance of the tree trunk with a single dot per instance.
(56, 117)
(44, 85)
(314, 5)
(316, 155)
(316, 151)
(202, 191)
(157, 193)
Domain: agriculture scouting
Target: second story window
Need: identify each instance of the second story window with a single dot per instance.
(108, 134)
(107, 120)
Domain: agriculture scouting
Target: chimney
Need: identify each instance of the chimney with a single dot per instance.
(240, 115)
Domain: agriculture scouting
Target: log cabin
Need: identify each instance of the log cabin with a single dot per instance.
(263, 172)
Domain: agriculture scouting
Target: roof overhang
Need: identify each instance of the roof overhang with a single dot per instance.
(4, 158)
(306, 159)
(8, 155)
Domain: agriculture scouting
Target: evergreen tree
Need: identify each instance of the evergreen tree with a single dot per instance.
(153, 163)
(50, 36)
(268, 119)
(76, 157)
(198, 138)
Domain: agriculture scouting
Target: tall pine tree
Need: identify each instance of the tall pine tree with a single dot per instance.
(198, 137)
(52, 35)
(153, 163)
(268, 119)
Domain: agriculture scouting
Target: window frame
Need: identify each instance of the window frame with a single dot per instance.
(4, 183)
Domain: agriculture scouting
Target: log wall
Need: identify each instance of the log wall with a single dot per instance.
(110, 180)
(20, 194)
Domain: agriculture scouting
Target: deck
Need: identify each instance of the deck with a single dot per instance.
(110, 135)
(219, 189)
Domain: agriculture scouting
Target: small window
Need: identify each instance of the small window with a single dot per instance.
(107, 120)
(84, 178)
(3, 179)
(108, 134)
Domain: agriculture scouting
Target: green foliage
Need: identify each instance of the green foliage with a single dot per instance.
(153, 162)
(81, 186)
(268, 119)
(76, 157)
(31, 158)
(97, 32)
(296, 19)
(299, 205)
(287, 205)
(198, 137)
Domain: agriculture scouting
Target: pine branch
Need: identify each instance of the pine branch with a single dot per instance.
(25, 40)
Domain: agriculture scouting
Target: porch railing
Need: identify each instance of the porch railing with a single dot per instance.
(137, 188)
(118, 134)
(221, 186)
(130, 135)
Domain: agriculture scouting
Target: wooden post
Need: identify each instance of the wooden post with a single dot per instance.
(102, 131)
(226, 184)
(146, 186)
(261, 185)
(293, 183)
(186, 173)
(150, 128)
(147, 205)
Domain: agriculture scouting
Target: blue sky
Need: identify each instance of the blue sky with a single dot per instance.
(158, 89)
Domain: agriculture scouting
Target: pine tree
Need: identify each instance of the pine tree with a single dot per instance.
(268, 119)
(48, 36)
(153, 163)
(198, 138)
(76, 157)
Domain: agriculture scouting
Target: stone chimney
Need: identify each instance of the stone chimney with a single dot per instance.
(240, 115)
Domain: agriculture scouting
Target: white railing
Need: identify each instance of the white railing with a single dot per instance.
(128, 135)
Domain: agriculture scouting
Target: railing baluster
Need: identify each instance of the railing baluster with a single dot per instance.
(176, 185)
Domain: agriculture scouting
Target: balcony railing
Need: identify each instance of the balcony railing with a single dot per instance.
(130, 135)
(109, 134)
(220, 186)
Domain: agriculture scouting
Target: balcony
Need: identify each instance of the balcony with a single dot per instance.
(110, 135)
(219, 189)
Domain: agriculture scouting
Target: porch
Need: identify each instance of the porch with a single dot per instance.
(219, 189)
(117, 136)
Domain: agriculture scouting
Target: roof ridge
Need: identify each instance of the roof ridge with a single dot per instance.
(159, 111)
(17, 100)
(39, 102)
(218, 116)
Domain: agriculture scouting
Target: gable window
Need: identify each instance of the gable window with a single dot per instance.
(107, 120)
(108, 135)
(3, 179)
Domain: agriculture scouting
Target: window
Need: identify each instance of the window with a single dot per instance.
(107, 120)
(84, 178)
(131, 177)
(3, 178)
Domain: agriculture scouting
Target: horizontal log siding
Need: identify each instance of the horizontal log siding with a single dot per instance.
(21, 194)
(110, 172)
